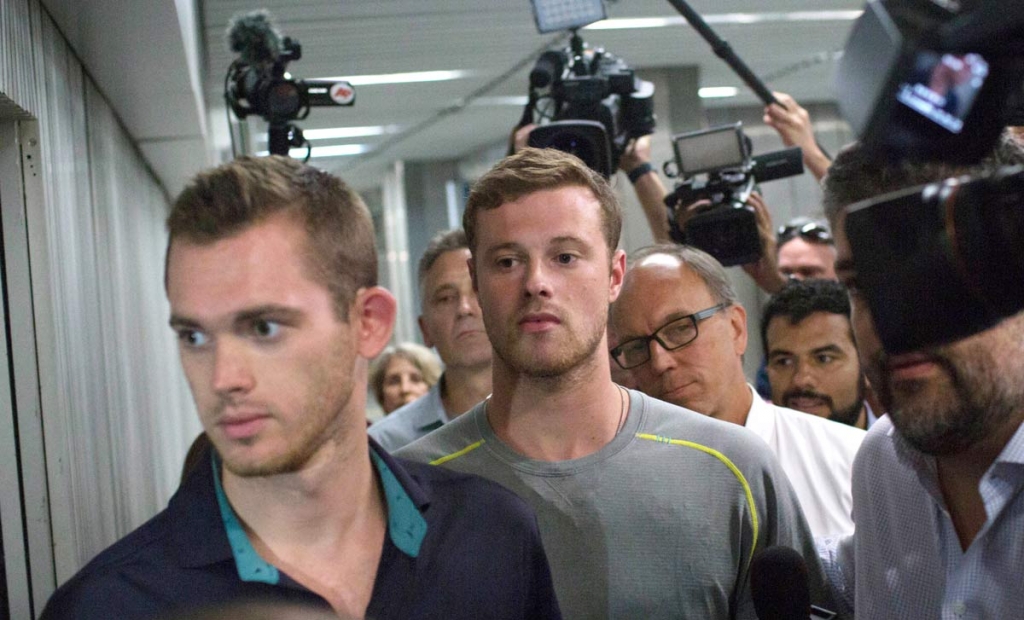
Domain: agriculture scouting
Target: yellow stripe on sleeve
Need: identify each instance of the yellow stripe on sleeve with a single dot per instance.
(718, 455)
(455, 455)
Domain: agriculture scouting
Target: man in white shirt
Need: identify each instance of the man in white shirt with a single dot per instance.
(937, 485)
(813, 364)
(680, 331)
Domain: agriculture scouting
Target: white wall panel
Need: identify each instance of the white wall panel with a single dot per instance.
(17, 57)
(78, 464)
(144, 383)
(115, 409)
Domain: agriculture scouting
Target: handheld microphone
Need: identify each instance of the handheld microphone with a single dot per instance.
(779, 587)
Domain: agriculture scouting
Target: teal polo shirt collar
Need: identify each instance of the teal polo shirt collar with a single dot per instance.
(406, 526)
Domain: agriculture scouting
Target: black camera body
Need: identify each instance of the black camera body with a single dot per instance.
(257, 81)
(917, 80)
(598, 105)
(716, 165)
(939, 262)
(943, 261)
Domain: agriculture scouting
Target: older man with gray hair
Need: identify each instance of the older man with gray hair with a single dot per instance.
(680, 331)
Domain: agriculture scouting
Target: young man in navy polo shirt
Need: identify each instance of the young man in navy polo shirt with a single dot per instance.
(271, 277)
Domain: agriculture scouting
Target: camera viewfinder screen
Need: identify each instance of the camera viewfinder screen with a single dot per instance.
(708, 151)
(942, 88)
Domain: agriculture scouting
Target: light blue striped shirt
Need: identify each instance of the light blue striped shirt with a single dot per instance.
(905, 556)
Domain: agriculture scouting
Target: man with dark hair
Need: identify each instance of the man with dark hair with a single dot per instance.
(937, 483)
(802, 249)
(812, 357)
(271, 277)
(679, 329)
(450, 321)
(646, 510)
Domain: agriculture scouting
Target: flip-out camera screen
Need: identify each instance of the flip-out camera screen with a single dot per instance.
(709, 150)
(942, 88)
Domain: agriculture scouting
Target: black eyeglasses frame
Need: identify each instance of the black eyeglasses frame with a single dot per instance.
(695, 318)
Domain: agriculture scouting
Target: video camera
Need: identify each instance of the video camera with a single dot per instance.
(257, 81)
(921, 81)
(716, 165)
(941, 261)
(597, 105)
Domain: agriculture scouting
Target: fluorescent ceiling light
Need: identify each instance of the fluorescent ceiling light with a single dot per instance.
(338, 150)
(624, 23)
(334, 133)
(516, 100)
(727, 19)
(717, 92)
(348, 132)
(401, 78)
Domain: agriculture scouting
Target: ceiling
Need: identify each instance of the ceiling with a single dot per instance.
(144, 56)
(489, 38)
(171, 100)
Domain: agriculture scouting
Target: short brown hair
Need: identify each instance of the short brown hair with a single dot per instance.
(858, 174)
(443, 242)
(531, 170)
(224, 201)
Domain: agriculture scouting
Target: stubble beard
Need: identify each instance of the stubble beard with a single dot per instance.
(973, 399)
(518, 354)
(322, 421)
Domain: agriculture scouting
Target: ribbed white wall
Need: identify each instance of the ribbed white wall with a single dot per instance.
(116, 412)
(17, 57)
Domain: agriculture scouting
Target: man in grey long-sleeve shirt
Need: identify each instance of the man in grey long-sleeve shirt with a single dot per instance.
(646, 510)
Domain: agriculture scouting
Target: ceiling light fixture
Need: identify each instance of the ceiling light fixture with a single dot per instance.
(402, 78)
(727, 19)
(337, 150)
(717, 92)
(335, 133)
(516, 100)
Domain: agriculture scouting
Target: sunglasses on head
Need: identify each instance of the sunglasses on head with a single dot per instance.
(810, 230)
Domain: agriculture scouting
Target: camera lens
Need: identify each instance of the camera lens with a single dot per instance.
(283, 100)
(575, 145)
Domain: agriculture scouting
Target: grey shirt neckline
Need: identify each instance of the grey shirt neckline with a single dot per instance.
(503, 452)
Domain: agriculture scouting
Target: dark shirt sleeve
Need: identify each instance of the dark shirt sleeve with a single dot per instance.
(542, 603)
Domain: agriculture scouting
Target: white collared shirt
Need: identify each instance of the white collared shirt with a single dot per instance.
(906, 555)
(817, 455)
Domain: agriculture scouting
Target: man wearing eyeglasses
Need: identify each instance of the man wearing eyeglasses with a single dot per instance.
(679, 329)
